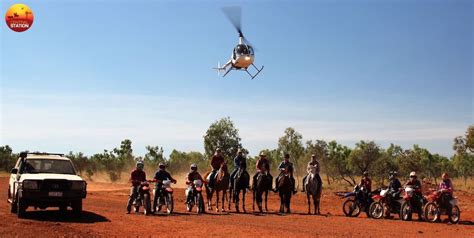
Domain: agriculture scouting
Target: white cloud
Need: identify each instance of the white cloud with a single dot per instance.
(91, 123)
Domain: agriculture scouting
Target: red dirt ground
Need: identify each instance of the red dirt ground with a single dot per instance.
(104, 215)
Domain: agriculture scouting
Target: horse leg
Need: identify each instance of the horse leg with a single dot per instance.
(282, 199)
(243, 200)
(231, 196)
(288, 202)
(209, 198)
(318, 202)
(316, 206)
(236, 200)
(224, 196)
(266, 199)
(309, 203)
(217, 201)
(253, 200)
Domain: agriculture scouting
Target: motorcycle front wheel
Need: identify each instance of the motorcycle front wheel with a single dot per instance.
(406, 211)
(431, 212)
(146, 204)
(376, 210)
(200, 203)
(351, 208)
(455, 215)
(169, 203)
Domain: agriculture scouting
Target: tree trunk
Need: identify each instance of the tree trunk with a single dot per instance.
(327, 178)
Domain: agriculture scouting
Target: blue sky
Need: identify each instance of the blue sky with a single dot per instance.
(91, 73)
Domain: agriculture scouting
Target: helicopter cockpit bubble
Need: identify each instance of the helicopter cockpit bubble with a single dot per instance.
(243, 49)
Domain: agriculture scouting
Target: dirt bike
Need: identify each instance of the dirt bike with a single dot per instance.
(384, 205)
(357, 201)
(165, 198)
(143, 198)
(194, 196)
(412, 202)
(435, 208)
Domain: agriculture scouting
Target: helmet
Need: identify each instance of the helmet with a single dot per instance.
(161, 166)
(140, 165)
(262, 154)
(365, 173)
(194, 167)
(413, 174)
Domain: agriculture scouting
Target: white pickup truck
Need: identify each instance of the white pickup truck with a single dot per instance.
(42, 180)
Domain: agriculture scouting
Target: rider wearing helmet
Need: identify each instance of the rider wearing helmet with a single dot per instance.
(394, 186)
(216, 161)
(240, 162)
(263, 166)
(193, 175)
(160, 175)
(446, 189)
(286, 164)
(137, 176)
(416, 184)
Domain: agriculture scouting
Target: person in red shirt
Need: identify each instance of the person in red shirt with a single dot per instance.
(365, 182)
(216, 161)
(263, 166)
(137, 176)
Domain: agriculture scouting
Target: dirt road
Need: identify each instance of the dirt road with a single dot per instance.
(105, 216)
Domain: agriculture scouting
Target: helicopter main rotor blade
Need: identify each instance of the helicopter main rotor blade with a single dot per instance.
(234, 14)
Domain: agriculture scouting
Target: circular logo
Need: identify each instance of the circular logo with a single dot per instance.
(19, 17)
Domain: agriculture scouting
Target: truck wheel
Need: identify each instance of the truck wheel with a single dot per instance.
(77, 207)
(63, 208)
(21, 208)
(13, 208)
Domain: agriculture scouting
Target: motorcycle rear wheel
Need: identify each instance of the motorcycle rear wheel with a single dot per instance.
(351, 208)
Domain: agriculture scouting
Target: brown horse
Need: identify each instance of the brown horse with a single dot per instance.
(261, 187)
(285, 191)
(221, 183)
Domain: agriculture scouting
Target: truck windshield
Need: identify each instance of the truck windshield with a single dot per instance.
(53, 166)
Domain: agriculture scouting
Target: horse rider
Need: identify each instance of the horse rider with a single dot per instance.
(216, 161)
(240, 162)
(286, 164)
(160, 175)
(263, 166)
(313, 163)
(137, 176)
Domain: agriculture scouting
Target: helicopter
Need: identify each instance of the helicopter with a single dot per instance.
(243, 54)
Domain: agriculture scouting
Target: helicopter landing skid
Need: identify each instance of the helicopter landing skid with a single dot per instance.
(258, 71)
